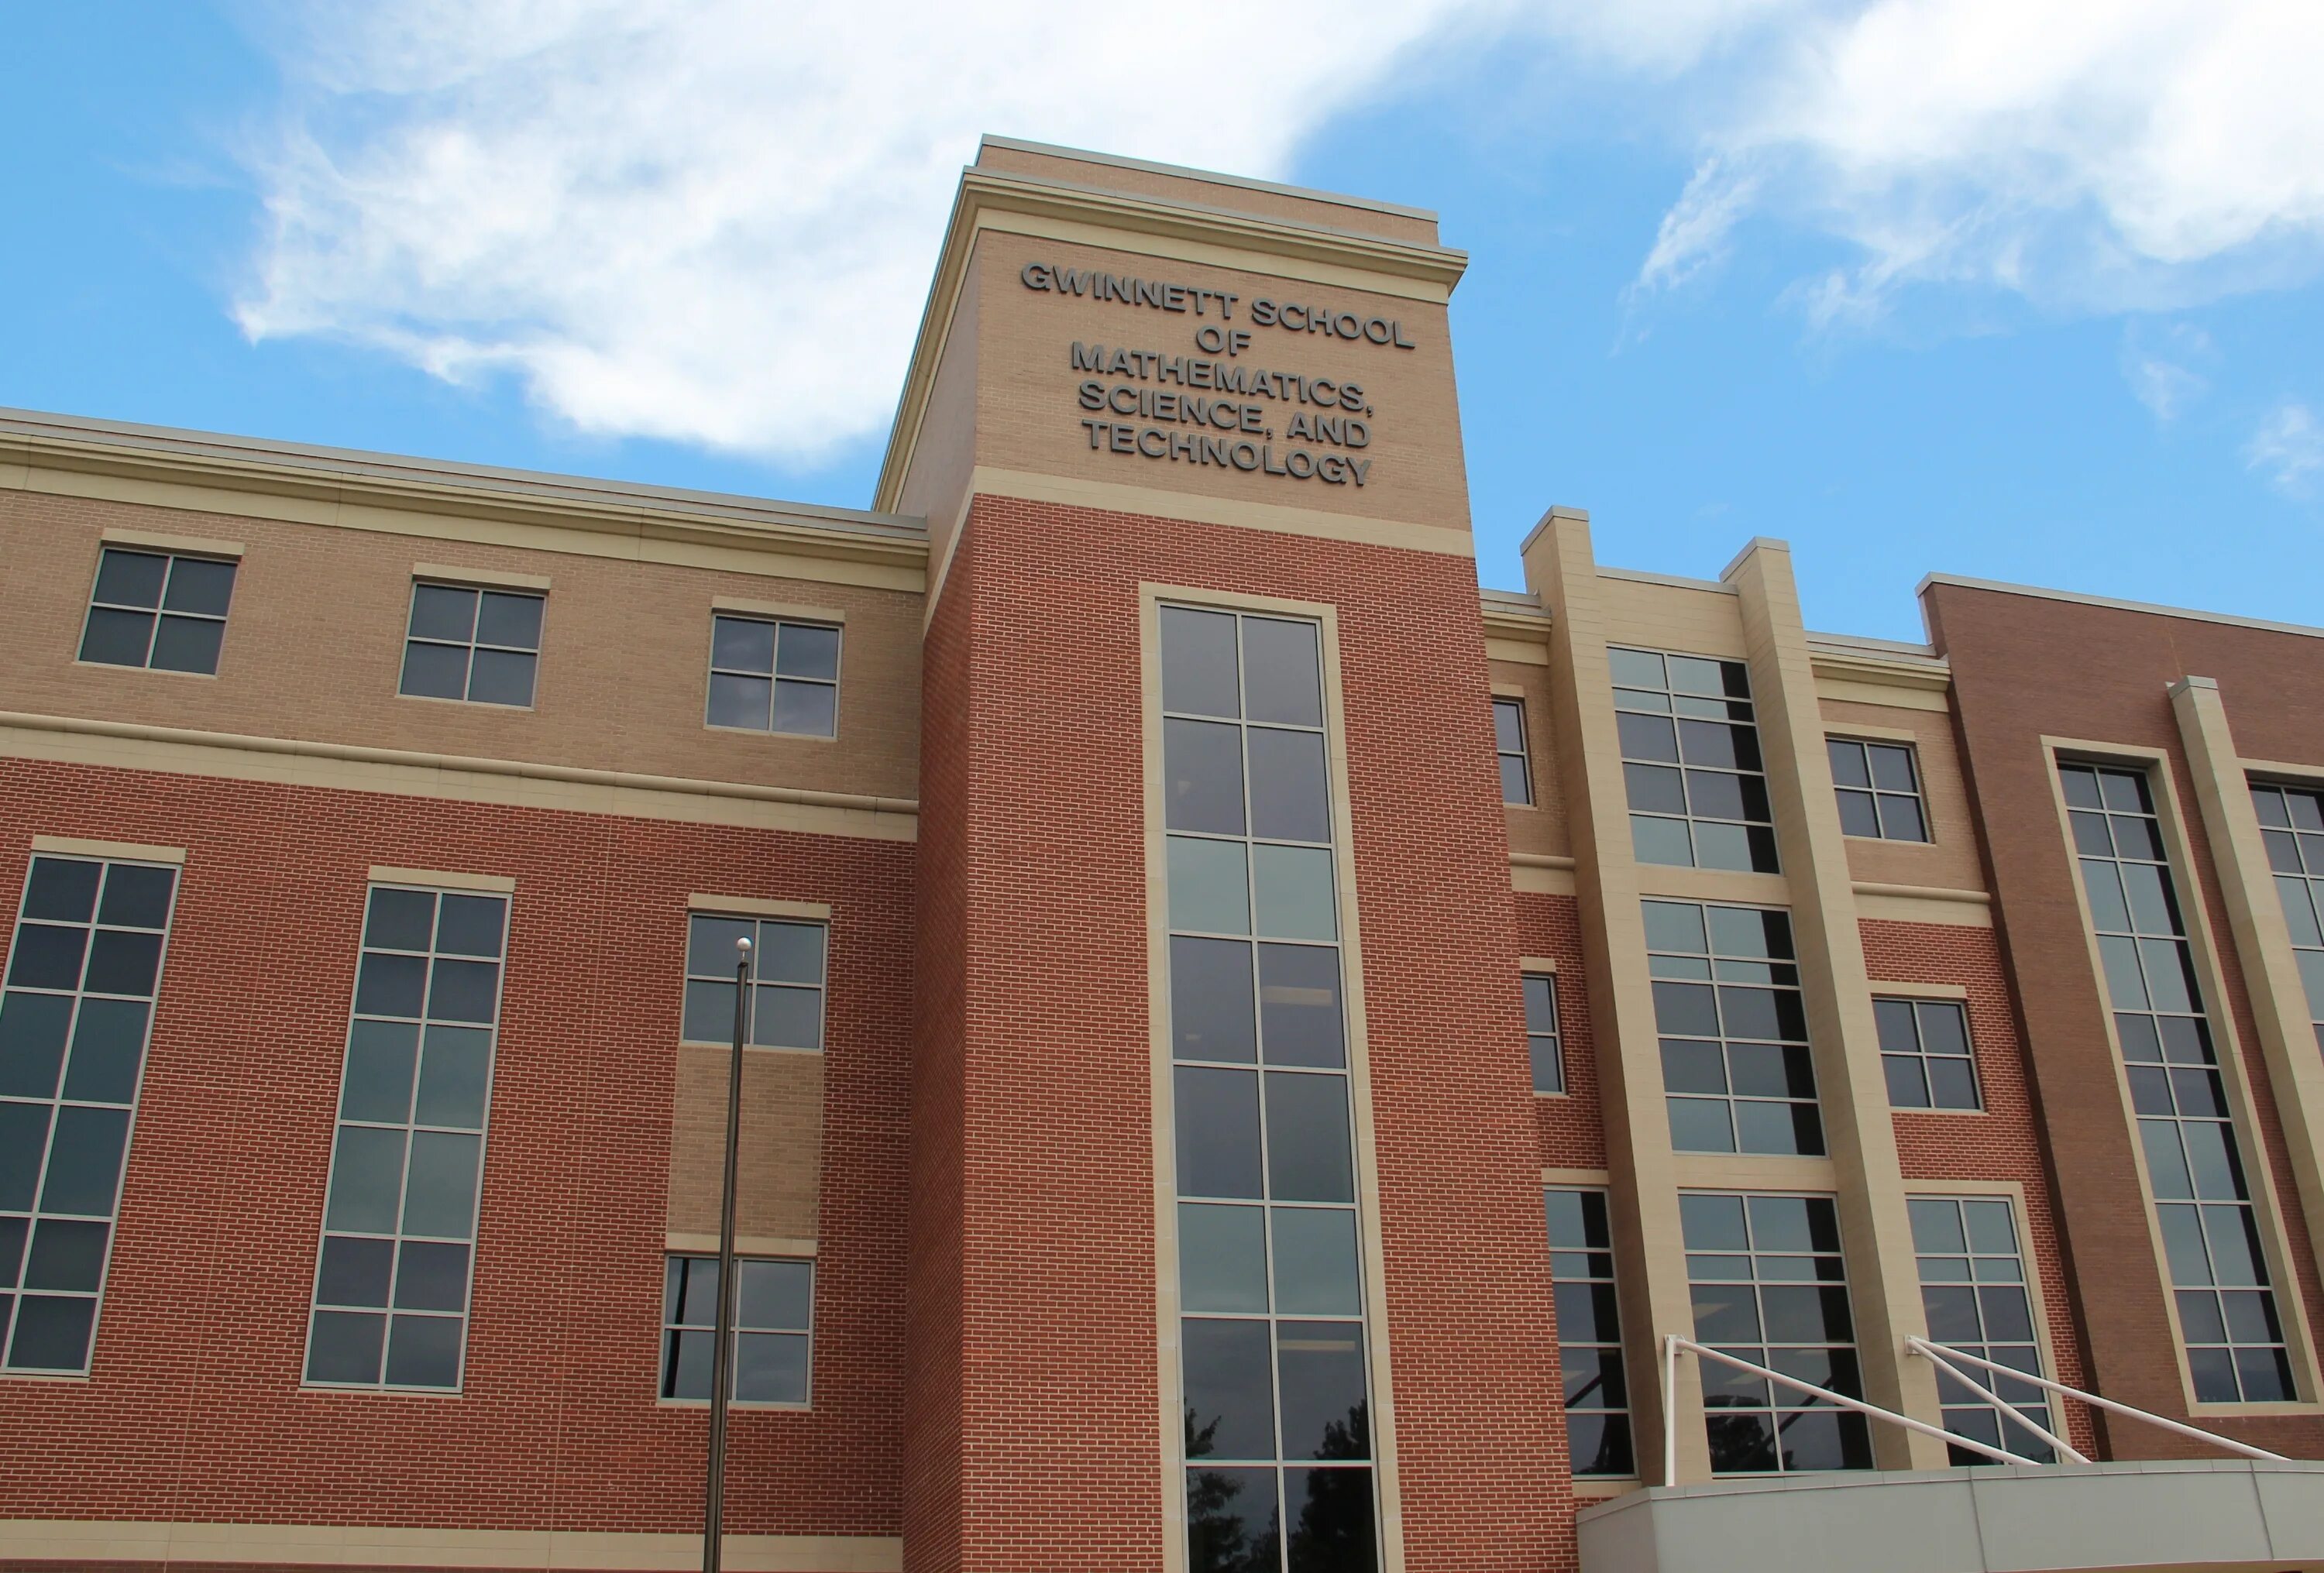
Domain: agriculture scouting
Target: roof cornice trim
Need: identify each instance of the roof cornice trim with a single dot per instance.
(2075, 598)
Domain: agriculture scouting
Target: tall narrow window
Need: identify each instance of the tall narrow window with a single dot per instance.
(1924, 1052)
(1879, 790)
(1973, 1288)
(2292, 820)
(786, 965)
(1769, 1288)
(1589, 1333)
(1691, 761)
(481, 646)
(2202, 1196)
(773, 1330)
(162, 610)
(400, 1222)
(1510, 742)
(83, 973)
(1542, 1036)
(1736, 1074)
(1273, 1350)
(766, 675)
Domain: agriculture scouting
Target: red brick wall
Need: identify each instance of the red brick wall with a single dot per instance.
(2005, 1141)
(194, 1410)
(1061, 1428)
(1572, 1128)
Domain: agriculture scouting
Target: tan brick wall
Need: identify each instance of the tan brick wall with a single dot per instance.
(1541, 828)
(314, 650)
(779, 1160)
(1950, 860)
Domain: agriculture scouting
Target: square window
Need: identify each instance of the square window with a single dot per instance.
(772, 1356)
(480, 647)
(1879, 788)
(162, 610)
(788, 960)
(773, 675)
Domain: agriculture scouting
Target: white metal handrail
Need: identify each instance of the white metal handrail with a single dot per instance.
(1673, 1344)
(1943, 1356)
(1933, 1352)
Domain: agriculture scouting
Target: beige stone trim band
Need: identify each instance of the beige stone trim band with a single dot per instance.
(1315, 523)
(343, 767)
(202, 546)
(758, 907)
(1540, 881)
(744, 1244)
(777, 608)
(1894, 989)
(337, 1546)
(134, 852)
(1537, 965)
(1522, 652)
(435, 879)
(1923, 904)
(488, 578)
(1598, 1177)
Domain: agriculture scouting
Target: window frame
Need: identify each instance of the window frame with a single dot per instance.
(1711, 957)
(758, 922)
(171, 556)
(2010, 1194)
(1873, 791)
(1529, 972)
(1612, 1282)
(712, 671)
(1522, 753)
(507, 897)
(1755, 831)
(480, 589)
(1917, 996)
(735, 1332)
(56, 1103)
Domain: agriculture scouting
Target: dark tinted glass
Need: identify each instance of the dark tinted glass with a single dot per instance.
(435, 671)
(85, 1161)
(742, 701)
(1288, 797)
(345, 1347)
(1201, 764)
(33, 1028)
(1308, 1150)
(67, 1254)
(502, 677)
(1233, 1525)
(1218, 1132)
(187, 644)
(399, 920)
(808, 709)
(1199, 666)
(809, 651)
(61, 889)
(1330, 1521)
(137, 896)
(513, 620)
(1300, 1008)
(355, 1272)
(1320, 1365)
(108, 1044)
(470, 925)
(441, 611)
(51, 1334)
(1211, 1015)
(200, 585)
(1282, 678)
(116, 639)
(424, 1351)
(131, 579)
(742, 644)
(1229, 1390)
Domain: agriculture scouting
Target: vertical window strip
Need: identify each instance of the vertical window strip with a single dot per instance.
(162, 610)
(788, 960)
(1509, 744)
(1691, 761)
(1769, 1287)
(2292, 822)
(480, 645)
(1924, 1052)
(392, 1276)
(84, 973)
(773, 1330)
(1879, 787)
(1542, 1040)
(1736, 1072)
(1974, 1290)
(773, 674)
(1589, 1333)
(2217, 1265)
(1274, 1361)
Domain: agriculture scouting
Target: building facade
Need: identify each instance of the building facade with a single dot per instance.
(1256, 1046)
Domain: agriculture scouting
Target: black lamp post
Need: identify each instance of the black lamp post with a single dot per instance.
(713, 1512)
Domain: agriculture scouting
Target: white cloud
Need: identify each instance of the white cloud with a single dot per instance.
(714, 222)
(2159, 363)
(2289, 446)
(2086, 153)
(711, 221)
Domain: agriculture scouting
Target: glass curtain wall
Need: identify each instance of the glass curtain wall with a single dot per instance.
(1273, 1348)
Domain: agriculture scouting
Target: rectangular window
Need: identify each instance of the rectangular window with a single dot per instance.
(83, 974)
(769, 675)
(1973, 1287)
(787, 959)
(400, 1222)
(1274, 1361)
(2202, 1198)
(1924, 1050)
(1589, 1333)
(1540, 1033)
(481, 646)
(1510, 742)
(773, 1354)
(1736, 1074)
(1879, 790)
(1769, 1287)
(160, 609)
(2291, 822)
(1691, 761)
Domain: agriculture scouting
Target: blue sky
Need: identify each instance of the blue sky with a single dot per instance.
(1915, 284)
